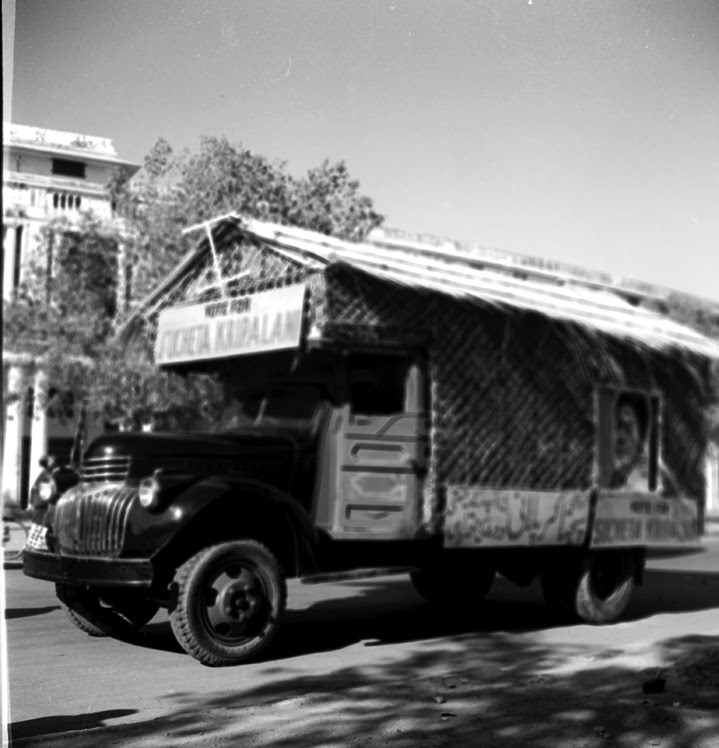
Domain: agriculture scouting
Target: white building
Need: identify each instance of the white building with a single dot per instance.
(47, 174)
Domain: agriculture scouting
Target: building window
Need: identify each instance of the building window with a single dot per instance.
(63, 167)
(64, 201)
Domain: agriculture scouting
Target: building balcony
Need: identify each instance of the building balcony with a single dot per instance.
(45, 202)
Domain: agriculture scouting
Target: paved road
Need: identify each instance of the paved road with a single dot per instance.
(337, 638)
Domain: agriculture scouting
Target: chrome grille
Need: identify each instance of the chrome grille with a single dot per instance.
(104, 469)
(90, 521)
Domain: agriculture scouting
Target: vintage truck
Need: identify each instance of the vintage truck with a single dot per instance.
(388, 407)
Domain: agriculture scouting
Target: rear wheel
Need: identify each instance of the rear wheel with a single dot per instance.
(105, 612)
(453, 584)
(605, 586)
(229, 600)
(598, 590)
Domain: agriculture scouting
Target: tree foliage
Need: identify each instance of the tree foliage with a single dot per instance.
(67, 300)
(67, 312)
(175, 191)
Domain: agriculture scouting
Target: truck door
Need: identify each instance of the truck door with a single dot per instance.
(381, 447)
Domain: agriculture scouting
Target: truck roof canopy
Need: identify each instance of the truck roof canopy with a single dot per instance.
(500, 280)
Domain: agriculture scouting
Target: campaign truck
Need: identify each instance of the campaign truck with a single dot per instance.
(388, 406)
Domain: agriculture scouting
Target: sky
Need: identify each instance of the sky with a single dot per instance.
(584, 131)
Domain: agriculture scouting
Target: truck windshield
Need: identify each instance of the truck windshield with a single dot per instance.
(292, 406)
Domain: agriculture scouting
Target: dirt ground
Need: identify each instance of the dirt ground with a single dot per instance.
(519, 695)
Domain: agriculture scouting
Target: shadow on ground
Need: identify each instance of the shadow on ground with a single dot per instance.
(492, 690)
(381, 612)
(60, 724)
(666, 591)
(11, 613)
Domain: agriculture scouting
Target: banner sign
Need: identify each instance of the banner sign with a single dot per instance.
(624, 519)
(266, 321)
(481, 517)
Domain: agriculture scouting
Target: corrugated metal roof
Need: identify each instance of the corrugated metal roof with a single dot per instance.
(452, 273)
(460, 276)
(526, 265)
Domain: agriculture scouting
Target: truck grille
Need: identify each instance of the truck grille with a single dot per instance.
(90, 521)
(104, 469)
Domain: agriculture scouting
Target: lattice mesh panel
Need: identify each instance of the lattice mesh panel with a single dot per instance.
(243, 266)
(507, 419)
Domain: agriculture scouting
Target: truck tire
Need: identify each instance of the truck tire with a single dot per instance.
(595, 591)
(105, 614)
(605, 587)
(446, 584)
(227, 602)
(80, 621)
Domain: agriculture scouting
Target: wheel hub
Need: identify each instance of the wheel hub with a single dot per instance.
(239, 600)
(234, 602)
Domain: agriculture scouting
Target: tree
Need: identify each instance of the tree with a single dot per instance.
(66, 311)
(179, 190)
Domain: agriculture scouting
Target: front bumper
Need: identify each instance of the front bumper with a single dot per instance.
(81, 570)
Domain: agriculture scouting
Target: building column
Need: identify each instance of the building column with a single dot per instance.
(711, 502)
(8, 264)
(12, 436)
(38, 430)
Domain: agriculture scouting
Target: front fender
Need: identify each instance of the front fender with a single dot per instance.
(222, 508)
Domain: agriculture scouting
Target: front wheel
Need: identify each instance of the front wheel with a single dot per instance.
(227, 602)
(107, 612)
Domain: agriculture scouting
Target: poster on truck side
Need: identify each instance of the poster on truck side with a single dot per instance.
(627, 519)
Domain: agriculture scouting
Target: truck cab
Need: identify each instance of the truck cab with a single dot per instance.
(314, 465)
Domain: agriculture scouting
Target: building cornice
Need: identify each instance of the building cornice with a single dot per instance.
(15, 132)
(62, 143)
(72, 153)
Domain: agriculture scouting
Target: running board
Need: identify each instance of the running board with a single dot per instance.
(339, 576)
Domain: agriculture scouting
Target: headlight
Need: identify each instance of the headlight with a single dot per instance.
(149, 493)
(45, 489)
